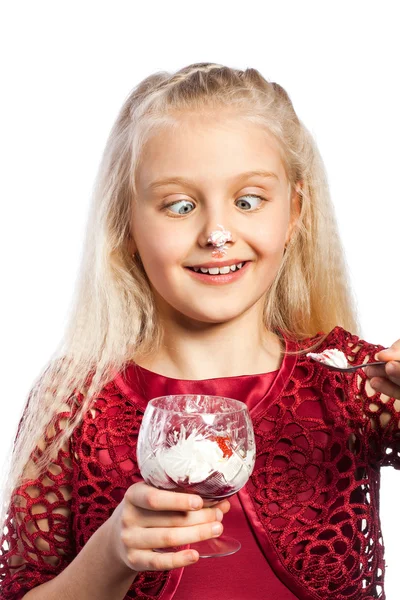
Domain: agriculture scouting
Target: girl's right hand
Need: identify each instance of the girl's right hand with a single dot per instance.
(150, 518)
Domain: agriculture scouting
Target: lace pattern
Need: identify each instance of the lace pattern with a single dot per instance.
(104, 449)
(315, 487)
(37, 542)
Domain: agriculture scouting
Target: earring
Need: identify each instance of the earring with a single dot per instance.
(218, 239)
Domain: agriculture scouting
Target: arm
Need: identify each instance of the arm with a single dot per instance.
(38, 550)
(36, 543)
(384, 391)
(378, 391)
(95, 574)
(39, 554)
(111, 559)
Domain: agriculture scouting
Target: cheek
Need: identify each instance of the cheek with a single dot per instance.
(271, 241)
(159, 247)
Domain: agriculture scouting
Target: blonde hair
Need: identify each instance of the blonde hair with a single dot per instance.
(113, 318)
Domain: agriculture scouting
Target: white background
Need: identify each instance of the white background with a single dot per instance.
(68, 66)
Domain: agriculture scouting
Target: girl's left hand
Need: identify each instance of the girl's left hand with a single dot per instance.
(386, 378)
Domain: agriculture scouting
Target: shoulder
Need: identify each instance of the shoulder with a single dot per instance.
(351, 344)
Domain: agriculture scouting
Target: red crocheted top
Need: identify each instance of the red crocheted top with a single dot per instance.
(312, 500)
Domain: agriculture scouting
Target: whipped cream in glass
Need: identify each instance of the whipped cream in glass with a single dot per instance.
(203, 445)
(194, 458)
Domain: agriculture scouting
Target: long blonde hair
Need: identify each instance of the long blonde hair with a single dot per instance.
(113, 317)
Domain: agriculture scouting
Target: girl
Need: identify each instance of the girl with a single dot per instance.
(160, 309)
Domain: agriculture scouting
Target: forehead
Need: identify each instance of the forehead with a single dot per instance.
(210, 147)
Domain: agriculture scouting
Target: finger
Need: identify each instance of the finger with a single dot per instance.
(148, 497)
(375, 371)
(209, 503)
(389, 371)
(224, 505)
(188, 518)
(385, 386)
(148, 560)
(392, 353)
(167, 537)
(393, 371)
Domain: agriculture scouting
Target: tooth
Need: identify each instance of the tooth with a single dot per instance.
(203, 270)
(224, 270)
(239, 265)
(214, 271)
(233, 268)
(196, 269)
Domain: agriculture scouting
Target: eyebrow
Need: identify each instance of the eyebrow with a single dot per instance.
(183, 181)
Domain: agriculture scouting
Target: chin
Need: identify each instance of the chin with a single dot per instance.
(217, 315)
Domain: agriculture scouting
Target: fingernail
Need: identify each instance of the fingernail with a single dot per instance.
(193, 556)
(219, 514)
(216, 529)
(196, 502)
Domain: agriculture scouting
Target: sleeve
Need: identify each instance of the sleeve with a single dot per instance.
(380, 413)
(36, 543)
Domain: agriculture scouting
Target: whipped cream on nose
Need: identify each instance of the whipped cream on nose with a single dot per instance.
(218, 238)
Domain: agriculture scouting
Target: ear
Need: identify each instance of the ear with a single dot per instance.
(295, 209)
(132, 248)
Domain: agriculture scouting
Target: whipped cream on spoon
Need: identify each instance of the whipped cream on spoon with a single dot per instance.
(335, 360)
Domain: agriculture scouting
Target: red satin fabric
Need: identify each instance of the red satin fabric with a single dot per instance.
(246, 574)
(212, 579)
(312, 502)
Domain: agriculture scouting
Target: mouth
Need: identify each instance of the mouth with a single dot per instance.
(219, 270)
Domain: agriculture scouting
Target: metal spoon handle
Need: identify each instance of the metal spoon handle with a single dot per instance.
(353, 367)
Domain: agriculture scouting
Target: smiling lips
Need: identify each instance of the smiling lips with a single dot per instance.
(218, 270)
(221, 274)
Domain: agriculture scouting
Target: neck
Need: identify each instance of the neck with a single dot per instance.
(192, 350)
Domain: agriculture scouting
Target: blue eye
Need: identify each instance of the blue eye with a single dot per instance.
(249, 202)
(183, 207)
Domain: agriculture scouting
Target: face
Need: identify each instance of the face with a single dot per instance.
(206, 161)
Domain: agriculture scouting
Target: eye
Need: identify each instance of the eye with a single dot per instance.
(183, 207)
(249, 202)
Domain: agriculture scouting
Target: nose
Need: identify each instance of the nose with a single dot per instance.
(216, 221)
(217, 239)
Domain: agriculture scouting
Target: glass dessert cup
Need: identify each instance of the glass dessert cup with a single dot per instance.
(201, 445)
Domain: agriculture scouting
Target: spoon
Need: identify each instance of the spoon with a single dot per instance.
(350, 369)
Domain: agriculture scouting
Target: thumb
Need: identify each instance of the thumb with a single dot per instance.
(391, 353)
